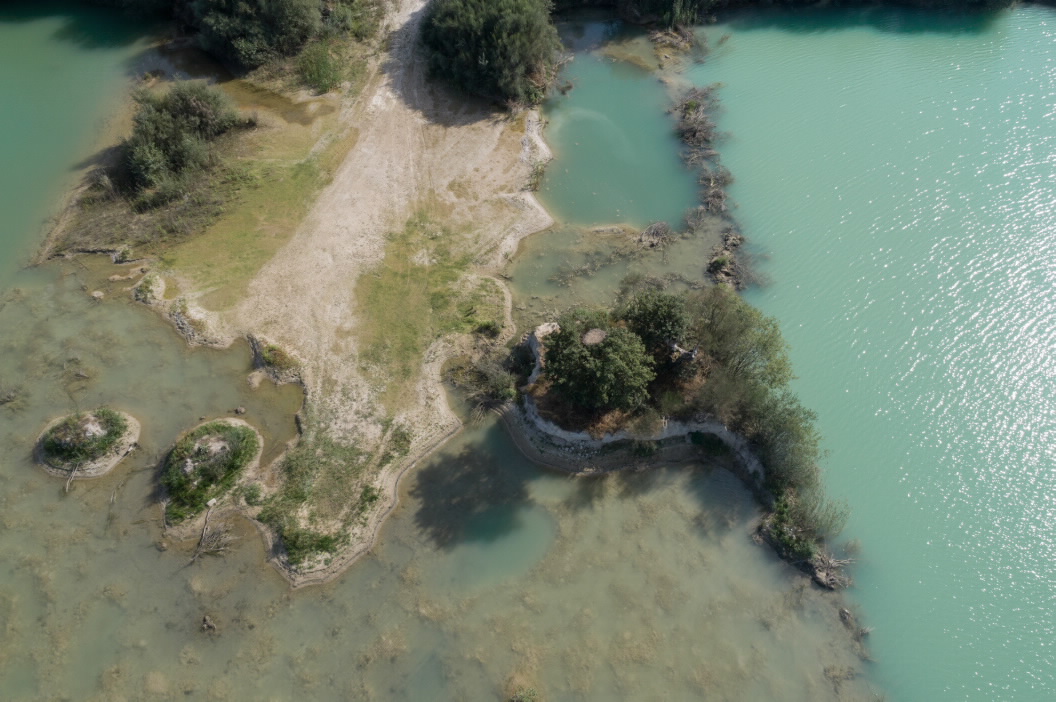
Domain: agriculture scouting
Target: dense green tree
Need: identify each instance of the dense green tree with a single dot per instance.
(658, 318)
(252, 32)
(596, 365)
(501, 49)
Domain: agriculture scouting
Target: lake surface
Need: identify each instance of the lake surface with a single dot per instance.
(896, 177)
(492, 576)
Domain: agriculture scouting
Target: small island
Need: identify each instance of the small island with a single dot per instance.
(677, 375)
(87, 444)
(205, 464)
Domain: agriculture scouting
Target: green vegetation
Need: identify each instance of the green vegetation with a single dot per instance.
(324, 480)
(597, 365)
(169, 143)
(147, 290)
(398, 445)
(659, 319)
(487, 383)
(83, 437)
(525, 694)
(318, 68)
(500, 49)
(252, 495)
(418, 294)
(252, 33)
(277, 360)
(704, 353)
(205, 464)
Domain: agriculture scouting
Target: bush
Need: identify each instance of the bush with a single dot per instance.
(252, 495)
(196, 471)
(596, 365)
(276, 359)
(170, 134)
(501, 49)
(250, 34)
(72, 441)
(318, 69)
(302, 543)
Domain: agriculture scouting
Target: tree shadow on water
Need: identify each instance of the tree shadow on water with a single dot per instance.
(628, 484)
(887, 19)
(86, 27)
(468, 496)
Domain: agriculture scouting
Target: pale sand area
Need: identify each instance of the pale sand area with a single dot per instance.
(418, 147)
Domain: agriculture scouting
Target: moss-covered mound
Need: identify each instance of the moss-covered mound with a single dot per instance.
(206, 463)
(89, 442)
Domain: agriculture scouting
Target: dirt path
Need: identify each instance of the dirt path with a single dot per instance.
(417, 149)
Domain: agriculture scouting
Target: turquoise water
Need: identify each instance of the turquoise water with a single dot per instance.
(895, 176)
(606, 125)
(66, 65)
(900, 176)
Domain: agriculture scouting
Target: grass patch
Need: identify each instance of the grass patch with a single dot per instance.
(398, 445)
(147, 290)
(84, 437)
(415, 296)
(204, 464)
(322, 478)
(275, 359)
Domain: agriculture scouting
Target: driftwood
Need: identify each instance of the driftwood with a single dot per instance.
(211, 543)
(73, 472)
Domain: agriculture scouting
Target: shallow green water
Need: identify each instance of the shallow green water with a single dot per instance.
(491, 575)
(895, 176)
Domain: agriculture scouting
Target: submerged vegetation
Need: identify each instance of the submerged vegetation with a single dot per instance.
(83, 437)
(701, 354)
(205, 464)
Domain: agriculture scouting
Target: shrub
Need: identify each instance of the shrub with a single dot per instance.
(170, 134)
(609, 371)
(302, 543)
(658, 318)
(276, 359)
(501, 49)
(74, 440)
(252, 495)
(318, 69)
(369, 496)
(250, 34)
(197, 470)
